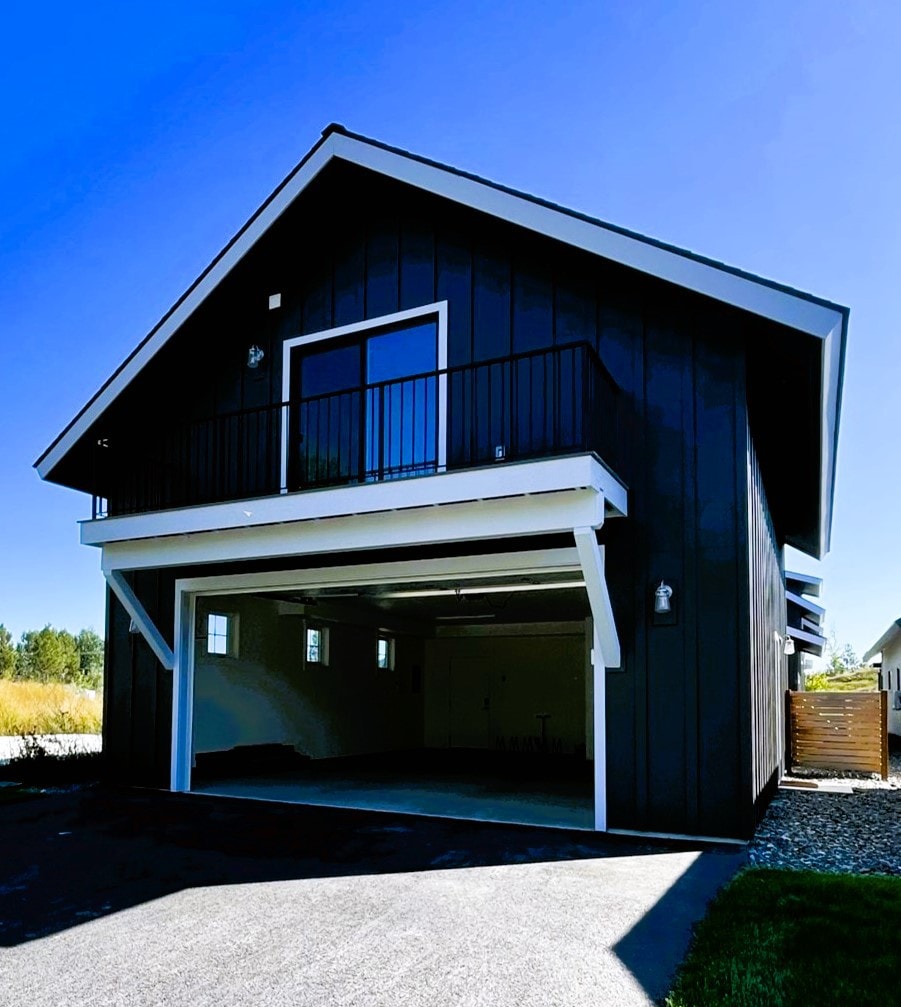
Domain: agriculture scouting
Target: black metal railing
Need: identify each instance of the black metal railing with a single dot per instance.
(526, 406)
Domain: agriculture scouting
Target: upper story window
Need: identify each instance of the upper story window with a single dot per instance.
(367, 401)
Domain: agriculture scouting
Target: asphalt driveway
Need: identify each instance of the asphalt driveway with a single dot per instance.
(143, 898)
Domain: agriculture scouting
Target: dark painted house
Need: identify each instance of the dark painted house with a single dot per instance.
(400, 483)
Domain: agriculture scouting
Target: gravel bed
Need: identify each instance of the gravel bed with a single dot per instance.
(859, 781)
(857, 833)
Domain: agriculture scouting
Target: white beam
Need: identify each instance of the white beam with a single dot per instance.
(547, 513)
(131, 603)
(494, 482)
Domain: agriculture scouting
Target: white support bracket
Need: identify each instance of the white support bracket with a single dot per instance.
(591, 559)
(130, 602)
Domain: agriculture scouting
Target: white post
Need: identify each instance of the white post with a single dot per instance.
(182, 692)
(599, 693)
(605, 653)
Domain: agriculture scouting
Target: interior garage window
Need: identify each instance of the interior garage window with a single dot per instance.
(316, 651)
(384, 654)
(222, 634)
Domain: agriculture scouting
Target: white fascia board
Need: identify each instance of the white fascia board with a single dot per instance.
(808, 606)
(542, 514)
(673, 266)
(883, 641)
(832, 352)
(509, 480)
(528, 563)
(705, 278)
(256, 228)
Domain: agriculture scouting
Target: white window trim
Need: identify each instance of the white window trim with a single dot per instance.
(438, 308)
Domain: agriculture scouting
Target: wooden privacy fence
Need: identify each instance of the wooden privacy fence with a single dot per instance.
(839, 730)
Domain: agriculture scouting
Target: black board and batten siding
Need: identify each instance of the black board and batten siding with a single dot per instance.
(768, 665)
(693, 728)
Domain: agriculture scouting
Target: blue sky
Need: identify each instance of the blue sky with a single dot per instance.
(138, 138)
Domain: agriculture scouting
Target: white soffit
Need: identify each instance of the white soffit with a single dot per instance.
(479, 520)
(675, 266)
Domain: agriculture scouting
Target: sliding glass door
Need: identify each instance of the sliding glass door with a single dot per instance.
(364, 408)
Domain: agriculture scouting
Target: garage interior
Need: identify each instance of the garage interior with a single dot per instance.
(467, 700)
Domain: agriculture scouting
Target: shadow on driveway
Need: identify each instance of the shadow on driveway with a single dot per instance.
(72, 858)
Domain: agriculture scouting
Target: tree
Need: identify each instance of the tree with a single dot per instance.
(840, 660)
(7, 653)
(90, 658)
(48, 655)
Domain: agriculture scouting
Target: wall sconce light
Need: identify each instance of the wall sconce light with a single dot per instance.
(789, 647)
(662, 598)
(254, 356)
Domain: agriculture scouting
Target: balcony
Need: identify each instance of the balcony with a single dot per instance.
(528, 406)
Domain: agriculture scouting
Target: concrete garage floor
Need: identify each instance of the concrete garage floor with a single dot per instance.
(490, 798)
(149, 898)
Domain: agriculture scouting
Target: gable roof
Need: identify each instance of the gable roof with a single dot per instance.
(886, 638)
(804, 312)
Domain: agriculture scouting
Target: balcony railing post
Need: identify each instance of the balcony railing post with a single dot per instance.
(396, 426)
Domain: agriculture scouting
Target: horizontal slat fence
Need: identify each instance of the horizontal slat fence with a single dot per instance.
(839, 730)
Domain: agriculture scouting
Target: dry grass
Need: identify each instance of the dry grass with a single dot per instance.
(47, 708)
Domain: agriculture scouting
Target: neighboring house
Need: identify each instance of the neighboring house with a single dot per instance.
(804, 625)
(460, 495)
(889, 647)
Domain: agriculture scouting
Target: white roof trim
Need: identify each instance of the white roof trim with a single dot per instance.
(676, 267)
(886, 638)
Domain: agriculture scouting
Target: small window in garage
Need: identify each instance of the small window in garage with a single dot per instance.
(384, 655)
(316, 651)
(222, 634)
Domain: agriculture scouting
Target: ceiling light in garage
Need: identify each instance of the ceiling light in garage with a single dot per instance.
(443, 592)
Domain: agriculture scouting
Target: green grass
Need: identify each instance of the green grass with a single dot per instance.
(859, 680)
(796, 939)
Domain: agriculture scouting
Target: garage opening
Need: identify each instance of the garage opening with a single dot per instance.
(468, 700)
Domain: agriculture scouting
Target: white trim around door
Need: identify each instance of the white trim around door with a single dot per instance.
(451, 569)
(438, 309)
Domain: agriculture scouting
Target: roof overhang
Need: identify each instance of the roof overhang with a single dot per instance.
(805, 313)
(890, 634)
(810, 643)
(806, 583)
